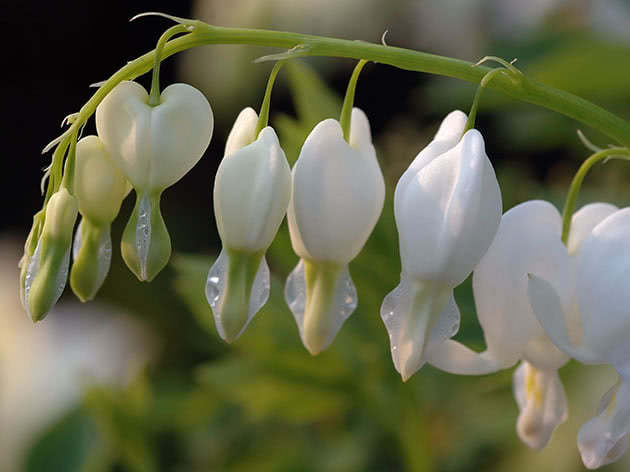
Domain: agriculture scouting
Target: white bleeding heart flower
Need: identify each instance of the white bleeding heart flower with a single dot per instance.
(527, 242)
(154, 147)
(337, 198)
(594, 330)
(447, 207)
(251, 193)
(47, 270)
(99, 188)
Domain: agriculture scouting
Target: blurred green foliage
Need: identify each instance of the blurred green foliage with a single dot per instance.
(265, 404)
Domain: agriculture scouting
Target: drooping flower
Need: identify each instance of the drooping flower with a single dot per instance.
(99, 188)
(594, 330)
(447, 207)
(154, 147)
(47, 270)
(251, 194)
(337, 198)
(527, 242)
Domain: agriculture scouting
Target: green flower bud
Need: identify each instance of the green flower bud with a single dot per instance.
(48, 269)
(92, 253)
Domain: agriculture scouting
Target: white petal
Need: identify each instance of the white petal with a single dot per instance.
(527, 242)
(453, 357)
(243, 131)
(154, 146)
(447, 137)
(99, 185)
(547, 307)
(252, 189)
(583, 222)
(181, 129)
(542, 403)
(603, 439)
(603, 264)
(338, 195)
(449, 213)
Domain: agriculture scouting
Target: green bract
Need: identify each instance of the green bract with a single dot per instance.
(48, 269)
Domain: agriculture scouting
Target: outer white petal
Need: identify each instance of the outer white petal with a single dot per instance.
(155, 146)
(604, 438)
(123, 121)
(448, 135)
(527, 242)
(98, 184)
(448, 213)
(453, 357)
(181, 129)
(603, 268)
(583, 222)
(251, 193)
(243, 131)
(555, 320)
(542, 403)
(338, 194)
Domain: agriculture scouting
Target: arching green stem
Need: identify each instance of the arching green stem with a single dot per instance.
(154, 95)
(472, 116)
(68, 171)
(526, 89)
(576, 184)
(263, 116)
(348, 101)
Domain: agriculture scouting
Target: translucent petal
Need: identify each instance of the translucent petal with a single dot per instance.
(583, 222)
(603, 439)
(527, 242)
(321, 310)
(233, 308)
(603, 264)
(542, 403)
(418, 316)
(547, 307)
(33, 268)
(455, 358)
(91, 263)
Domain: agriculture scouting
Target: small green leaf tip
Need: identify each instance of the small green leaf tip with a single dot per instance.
(300, 50)
(176, 19)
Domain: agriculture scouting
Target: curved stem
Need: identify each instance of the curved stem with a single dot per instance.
(576, 184)
(526, 89)
(472, 116)
(263, 117)
(68, 171)
(154, 95)
(348, 101)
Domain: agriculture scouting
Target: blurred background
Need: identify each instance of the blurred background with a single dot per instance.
(140, 381)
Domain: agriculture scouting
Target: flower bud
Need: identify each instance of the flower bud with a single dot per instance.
(447, 207)
(251, 193)
(338, 195)
(99, 188)
(154, 147)
(48, 269)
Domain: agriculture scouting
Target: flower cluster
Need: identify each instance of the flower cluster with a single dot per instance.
(539, 301)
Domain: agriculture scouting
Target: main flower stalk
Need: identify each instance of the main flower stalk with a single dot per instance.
(526, 89)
